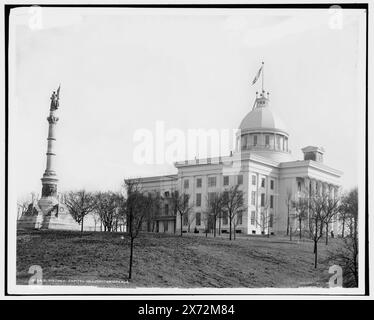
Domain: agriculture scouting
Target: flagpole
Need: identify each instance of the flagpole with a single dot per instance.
(263, 70)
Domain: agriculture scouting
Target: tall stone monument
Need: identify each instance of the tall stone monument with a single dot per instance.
(48, 212)
(49, 179)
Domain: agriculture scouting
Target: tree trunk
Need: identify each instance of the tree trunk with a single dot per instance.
(300, 234)
(315, 254)
(215, 226)
(315, 236)
(230, 227)
(181, 225)
(288, 221)
(131, 256)
(343, 227)
(82, 224)
(327, 234)
(290, 234)
(219, 225)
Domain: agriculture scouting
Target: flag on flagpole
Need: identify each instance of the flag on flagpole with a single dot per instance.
(257, 76)
(58, 91)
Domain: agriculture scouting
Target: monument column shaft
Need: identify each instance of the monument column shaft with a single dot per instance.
(51, 154)
(49, 179)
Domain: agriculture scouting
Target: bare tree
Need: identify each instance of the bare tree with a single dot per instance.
(206, 219)
(135, 207)
(347, 255)
(156, 202)
(266, 220)
(301, 206)
(191, 217)
(331, 211)
(348, 211)
(106, 204)
(219, 217)
(232, 204)
(317, 217)
(181, 206)
(288, 201)
(237, 221)
(343, 218)
(80, 203)
(214, 208)
(23, 207)
(96, 218)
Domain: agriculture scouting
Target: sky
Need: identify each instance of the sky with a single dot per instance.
(125, 70)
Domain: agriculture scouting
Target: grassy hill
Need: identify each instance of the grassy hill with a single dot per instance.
(162, 260)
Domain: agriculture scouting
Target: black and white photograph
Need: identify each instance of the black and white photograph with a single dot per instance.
(187, 149)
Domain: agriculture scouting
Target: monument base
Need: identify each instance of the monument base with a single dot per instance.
(48, 214)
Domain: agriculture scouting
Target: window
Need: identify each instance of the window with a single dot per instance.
(262, 199)
(299, 186)
(255, 140)
(253, 198)
(212, 181)
(225, 218)
(239, 218)
(211, 196)
(198, 199)
(240, 179)
(272, 184)
(267, 140)
(198, 183)
(166, 226)
(166, 209)
(253, 180)
(198, 218)
(271, 202)
(263, 183)
(167, 194)
(225, 180)
(186, 183)
(185, 220)
(253, 218)
(186, 198)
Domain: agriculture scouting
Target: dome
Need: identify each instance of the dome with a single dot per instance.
(261, 132)
(262, 118)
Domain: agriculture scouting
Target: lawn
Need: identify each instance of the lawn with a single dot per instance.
(162, 260)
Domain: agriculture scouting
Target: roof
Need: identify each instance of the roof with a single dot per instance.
(262, 118)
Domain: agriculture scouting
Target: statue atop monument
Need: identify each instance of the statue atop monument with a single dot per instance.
(55, 99)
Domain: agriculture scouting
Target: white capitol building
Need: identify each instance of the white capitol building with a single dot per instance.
(263, 167)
